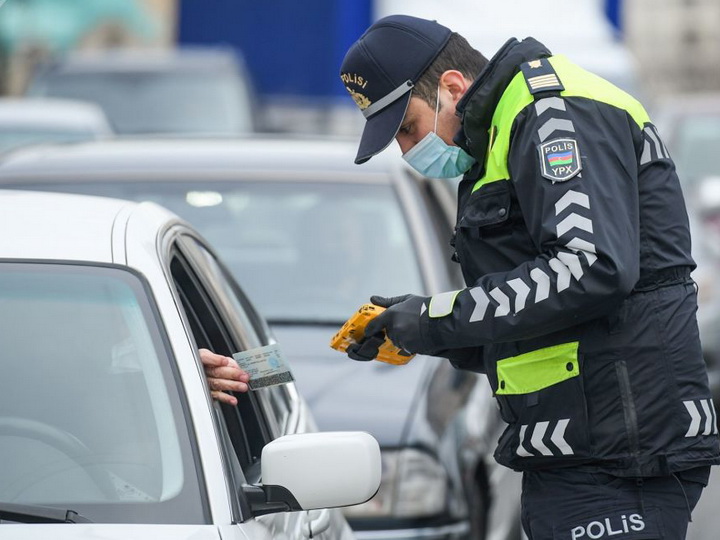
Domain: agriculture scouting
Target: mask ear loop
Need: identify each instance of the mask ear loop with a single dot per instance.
(437, 107)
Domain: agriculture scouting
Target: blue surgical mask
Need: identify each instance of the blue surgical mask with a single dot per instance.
(434, 158)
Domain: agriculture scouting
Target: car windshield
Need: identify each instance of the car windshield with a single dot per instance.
(160, 102)
(90, 417)
(305, 252)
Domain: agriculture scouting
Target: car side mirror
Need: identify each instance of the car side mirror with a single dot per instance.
(310, 471)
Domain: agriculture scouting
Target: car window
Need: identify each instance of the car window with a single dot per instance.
(246, 421)
(253, 329)
(90, 414)
(342, 241)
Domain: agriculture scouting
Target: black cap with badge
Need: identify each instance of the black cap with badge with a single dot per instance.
(380, 69)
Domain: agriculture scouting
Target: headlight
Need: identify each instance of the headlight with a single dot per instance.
(413, 484)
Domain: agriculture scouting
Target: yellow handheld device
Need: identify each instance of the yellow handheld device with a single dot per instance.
(353, 331)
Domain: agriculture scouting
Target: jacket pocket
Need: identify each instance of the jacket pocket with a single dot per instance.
(541, 395)
(487, 207)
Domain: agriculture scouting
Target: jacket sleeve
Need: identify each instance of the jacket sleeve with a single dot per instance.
(583, 220)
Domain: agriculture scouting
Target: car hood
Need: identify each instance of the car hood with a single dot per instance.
(347, 395)
(96, 531)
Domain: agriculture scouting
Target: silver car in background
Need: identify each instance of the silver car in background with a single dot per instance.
(311, 237)
(26, 121)
(191, 90)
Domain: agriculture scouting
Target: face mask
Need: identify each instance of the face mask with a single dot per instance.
(434, 158)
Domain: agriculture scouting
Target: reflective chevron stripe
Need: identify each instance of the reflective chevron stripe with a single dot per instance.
(521, 450)
(572, 197)
(537, 440)
(701, 424)
(521, 293)
(574, 221)
(553, 102)
(558, 437)
(563, 274)
(578, 245)
(542, 290)
(553, 125)
(503, 301)
(481, 304)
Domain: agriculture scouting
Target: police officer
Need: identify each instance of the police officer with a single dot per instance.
(573, 240)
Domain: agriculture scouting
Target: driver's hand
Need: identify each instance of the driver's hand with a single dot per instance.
(223, 375)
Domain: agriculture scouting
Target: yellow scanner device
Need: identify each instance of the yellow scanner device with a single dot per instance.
(353, 331)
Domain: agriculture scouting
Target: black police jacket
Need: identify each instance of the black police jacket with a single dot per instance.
(574, 243)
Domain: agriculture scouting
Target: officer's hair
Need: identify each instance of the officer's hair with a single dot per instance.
(457, 54)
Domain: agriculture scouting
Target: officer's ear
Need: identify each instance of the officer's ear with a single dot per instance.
(455, 82)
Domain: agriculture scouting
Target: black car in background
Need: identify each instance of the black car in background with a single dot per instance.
(311, 236)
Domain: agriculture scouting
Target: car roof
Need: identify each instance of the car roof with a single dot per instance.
(54, 226)
(53, 112)
(198, 159)
(194, 58)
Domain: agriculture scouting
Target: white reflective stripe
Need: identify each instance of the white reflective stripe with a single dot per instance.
(481, 303)
(386, 100)
(521, 451)
(521, 293)
(563, 272)
(544, 104)
(572, 261)
(572, 197)
(578, 245)
(708, 417)
(553, 125)
(542, 291)
(503, 302)
(558, 437)
(714, 416)
(574, 220)
(583, 246)
(537, 438)
(442, 304)
(694, 428)
(656, 141)
(646, 156)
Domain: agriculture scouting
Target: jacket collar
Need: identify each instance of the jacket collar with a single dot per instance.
(477, 106)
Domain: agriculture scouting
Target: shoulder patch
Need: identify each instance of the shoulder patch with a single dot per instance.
(559, 159)
(540, 76)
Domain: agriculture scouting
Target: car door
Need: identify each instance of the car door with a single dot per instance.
(223, 320)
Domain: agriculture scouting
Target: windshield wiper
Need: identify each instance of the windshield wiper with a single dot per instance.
(30, 513)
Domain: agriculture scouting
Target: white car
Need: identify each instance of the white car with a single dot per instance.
(27, 121)
(107, 428)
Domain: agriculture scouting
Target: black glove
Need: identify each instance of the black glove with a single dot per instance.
(366, 349)
(401, 321)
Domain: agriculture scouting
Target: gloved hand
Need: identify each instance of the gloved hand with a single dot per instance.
(400, 322)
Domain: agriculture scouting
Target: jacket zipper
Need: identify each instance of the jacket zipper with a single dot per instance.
(629, 409)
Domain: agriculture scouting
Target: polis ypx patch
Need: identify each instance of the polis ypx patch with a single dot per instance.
(559, 159)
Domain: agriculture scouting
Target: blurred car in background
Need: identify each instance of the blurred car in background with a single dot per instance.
(689, 125)
(105, 304)
(311, 237)
(25, 121)
(194, 90)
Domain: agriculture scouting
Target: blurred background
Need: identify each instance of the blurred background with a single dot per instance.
(288, 53)
(78, 70)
